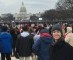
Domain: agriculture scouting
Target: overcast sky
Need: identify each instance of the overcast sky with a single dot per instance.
(32, 6)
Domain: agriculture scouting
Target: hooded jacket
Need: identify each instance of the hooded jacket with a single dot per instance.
(24, 44)
(42, 47)
(5, 42)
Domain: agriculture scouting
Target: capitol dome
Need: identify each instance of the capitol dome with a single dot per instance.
(22, 9)
(22, 13)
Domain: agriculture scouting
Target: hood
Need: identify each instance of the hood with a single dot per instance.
(5, 35)
(24, 34)
(45, 35)
(47, 40)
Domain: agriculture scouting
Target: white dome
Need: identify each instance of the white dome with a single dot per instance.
(22, 9)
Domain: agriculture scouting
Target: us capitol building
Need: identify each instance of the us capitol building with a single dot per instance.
(22, 15)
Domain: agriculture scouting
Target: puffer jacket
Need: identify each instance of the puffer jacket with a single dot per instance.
(42, 47)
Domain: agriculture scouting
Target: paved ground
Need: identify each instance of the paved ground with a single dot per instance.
(13, 58)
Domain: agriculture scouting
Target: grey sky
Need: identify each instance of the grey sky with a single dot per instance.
(32, 6)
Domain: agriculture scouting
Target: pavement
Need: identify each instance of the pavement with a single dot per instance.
(13, 58)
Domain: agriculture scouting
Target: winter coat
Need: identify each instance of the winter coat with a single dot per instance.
(5, 42)
(14, 37)
(62, 51)
(42, 47)
(24, 44)
(36, 37)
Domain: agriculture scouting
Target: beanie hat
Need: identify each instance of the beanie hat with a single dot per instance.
(44, 31)
(57, 27)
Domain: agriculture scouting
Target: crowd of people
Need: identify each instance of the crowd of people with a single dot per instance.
(40, 41)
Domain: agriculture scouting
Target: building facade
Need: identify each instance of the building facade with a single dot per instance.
(22, 15)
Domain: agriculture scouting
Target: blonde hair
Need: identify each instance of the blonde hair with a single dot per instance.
(69, 29)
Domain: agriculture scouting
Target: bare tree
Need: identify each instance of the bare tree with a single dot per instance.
(65, 4)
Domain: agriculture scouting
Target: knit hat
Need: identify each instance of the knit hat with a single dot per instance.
(44, 31)
(57, 27)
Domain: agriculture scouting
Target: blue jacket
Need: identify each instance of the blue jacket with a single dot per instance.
(42, 48)
(5, 42)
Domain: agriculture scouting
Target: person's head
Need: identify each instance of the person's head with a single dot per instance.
(57, 32)
(4, 28)
(69, 29)
(44, 31)
(25, 28)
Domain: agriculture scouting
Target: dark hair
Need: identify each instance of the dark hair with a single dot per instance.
(25, 28)
(4, 28)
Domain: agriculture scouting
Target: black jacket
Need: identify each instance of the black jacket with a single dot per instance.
(24, 45)
(62, 51)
